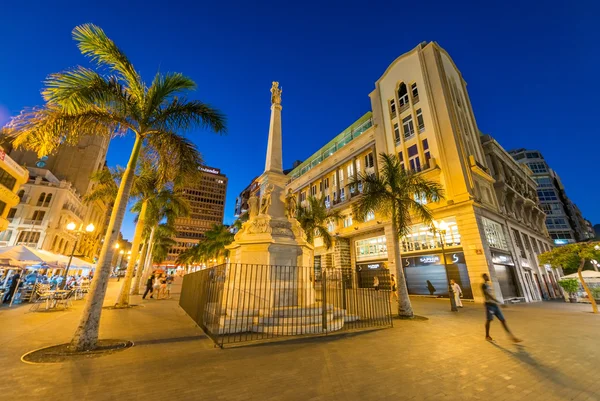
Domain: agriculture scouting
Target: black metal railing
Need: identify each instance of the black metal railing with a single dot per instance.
(237, 303)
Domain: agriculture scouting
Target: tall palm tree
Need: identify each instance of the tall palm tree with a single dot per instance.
(391, 194)
(83, 102)
(215, 241)
(314, 218)
(163, 241)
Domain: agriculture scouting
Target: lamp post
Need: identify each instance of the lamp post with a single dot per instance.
(78, 231)
(440, 228)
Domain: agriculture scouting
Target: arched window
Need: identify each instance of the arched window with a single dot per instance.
(402, 96)
(47, 200)
(40, 201)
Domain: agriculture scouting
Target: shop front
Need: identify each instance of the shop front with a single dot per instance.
(504, 266)
(366, 273)
(426, 274)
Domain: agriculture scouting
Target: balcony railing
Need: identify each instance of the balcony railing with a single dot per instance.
(415, 99)
(33, 222)
(403, 107)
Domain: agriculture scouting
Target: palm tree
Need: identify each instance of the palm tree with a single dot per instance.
(84, 102)
(163, 241)
(314, 219)
(391, 194)
(168, 204)
(215, 241)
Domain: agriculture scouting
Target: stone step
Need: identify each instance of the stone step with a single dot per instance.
(310, 310)
(316, 328)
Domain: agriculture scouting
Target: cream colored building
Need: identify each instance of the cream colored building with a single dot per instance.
(12, 176)
(422, 113)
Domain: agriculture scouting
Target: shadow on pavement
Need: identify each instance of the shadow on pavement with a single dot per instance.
(554, 375)
(170, 340)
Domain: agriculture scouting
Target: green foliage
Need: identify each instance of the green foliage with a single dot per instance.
(313, 219)
(595, 292)
(570, 285)
(212, 246)
(396, 193)
(571, 257)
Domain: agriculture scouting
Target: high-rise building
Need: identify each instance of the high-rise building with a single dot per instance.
(563, 218)
(421, 112)
(207, 206)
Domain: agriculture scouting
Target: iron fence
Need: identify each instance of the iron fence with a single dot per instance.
(236, 303)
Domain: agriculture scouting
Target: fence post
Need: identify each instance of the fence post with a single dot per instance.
(324, 299)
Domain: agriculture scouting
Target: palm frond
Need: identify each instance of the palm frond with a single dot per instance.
(93, 43)
(182, 114)
(177, 156)
(163, 88)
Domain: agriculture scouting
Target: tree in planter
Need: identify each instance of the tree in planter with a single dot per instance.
(314, 218)
(572, 257)
(84, 102)
(400, 196)
(571, 286)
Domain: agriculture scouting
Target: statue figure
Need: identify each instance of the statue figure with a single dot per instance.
(265, 200)
(275, 93)
(291, 204)
(252, 206)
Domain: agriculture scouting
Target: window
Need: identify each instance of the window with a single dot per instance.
(421, 237)
(348, 220)
(426, 151)
(331, 226)
(313, 190)
(413, 158)
(393, 108)
(401, 158)
(556, 222)
(408, 127)
(371, 248)
(544, 182)
(350, 169)
(538, 167)
(302, 196)
(47, 200)
(40, 201)
(370, 216)
(561, 235)
(415, 92)
(21, 194)
(533, 155)
(397, 133)
(341, 176)
(369, 162)
(403, 97)
(420, 123)
(494, 234)
(7, 180)
(552, 208)
(29, 237)
(5, 235)
(327, 201)
(420, 198)
(326, 183)
(357, 161)
(342, 194)
(546, 195)
(320, 186)
(11, 213)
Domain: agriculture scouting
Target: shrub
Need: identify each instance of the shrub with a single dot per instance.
(570, 285)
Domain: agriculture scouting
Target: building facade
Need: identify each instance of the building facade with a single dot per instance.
(241, 202)
(207, 206)
(421, 112)
(12, 177)
(64, 178)
(564, 220)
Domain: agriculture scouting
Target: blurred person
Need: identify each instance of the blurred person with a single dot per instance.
(457, 293)
(149, 287)
(492, 309)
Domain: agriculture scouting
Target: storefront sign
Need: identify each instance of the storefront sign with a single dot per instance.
(502, 259)
(210, 170)
(429, 259)
(370, 266)
(373, 266)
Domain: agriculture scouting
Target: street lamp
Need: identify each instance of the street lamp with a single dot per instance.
(440, 228)
(78, 231)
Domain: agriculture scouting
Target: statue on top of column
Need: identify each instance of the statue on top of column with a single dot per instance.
(275, 93)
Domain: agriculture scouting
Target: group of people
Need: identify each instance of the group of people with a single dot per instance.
(159, 284)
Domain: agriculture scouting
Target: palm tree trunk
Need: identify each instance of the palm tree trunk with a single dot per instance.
(138, 273)
(86, 334)
(404, 305)
(123, 298)
(585, 286)
(148, 259)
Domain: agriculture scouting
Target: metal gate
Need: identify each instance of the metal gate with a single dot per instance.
(237, 303)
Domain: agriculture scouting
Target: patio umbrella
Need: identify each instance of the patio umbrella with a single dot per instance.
(585, 274)
(20, 254)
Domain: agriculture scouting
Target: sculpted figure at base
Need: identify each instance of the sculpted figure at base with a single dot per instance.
(291, 204)
(265, 200)
(252, 207)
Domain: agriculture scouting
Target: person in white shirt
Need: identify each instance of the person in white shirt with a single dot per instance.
(457, 293)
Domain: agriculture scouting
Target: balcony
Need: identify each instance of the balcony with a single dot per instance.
(403, 107)
(32, 222)
(415, 99)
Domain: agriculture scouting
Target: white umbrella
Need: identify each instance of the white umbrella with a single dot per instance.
(20, 253)
(585, 274)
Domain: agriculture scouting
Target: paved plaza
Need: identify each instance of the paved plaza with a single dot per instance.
(443, 358)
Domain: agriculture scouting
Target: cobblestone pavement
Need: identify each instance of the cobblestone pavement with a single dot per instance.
(443, 358)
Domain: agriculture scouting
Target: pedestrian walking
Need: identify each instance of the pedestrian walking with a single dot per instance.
(149, 287)
(170, 279)
(394, 286)
(492, 309)
(16, 279)
(156, 285)
(376, 283)
(457, 293)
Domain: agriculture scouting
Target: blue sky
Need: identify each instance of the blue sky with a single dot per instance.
(531, 69)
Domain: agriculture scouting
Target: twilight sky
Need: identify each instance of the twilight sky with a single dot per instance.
(532, 70)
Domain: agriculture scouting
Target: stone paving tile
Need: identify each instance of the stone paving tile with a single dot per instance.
(443, 358)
